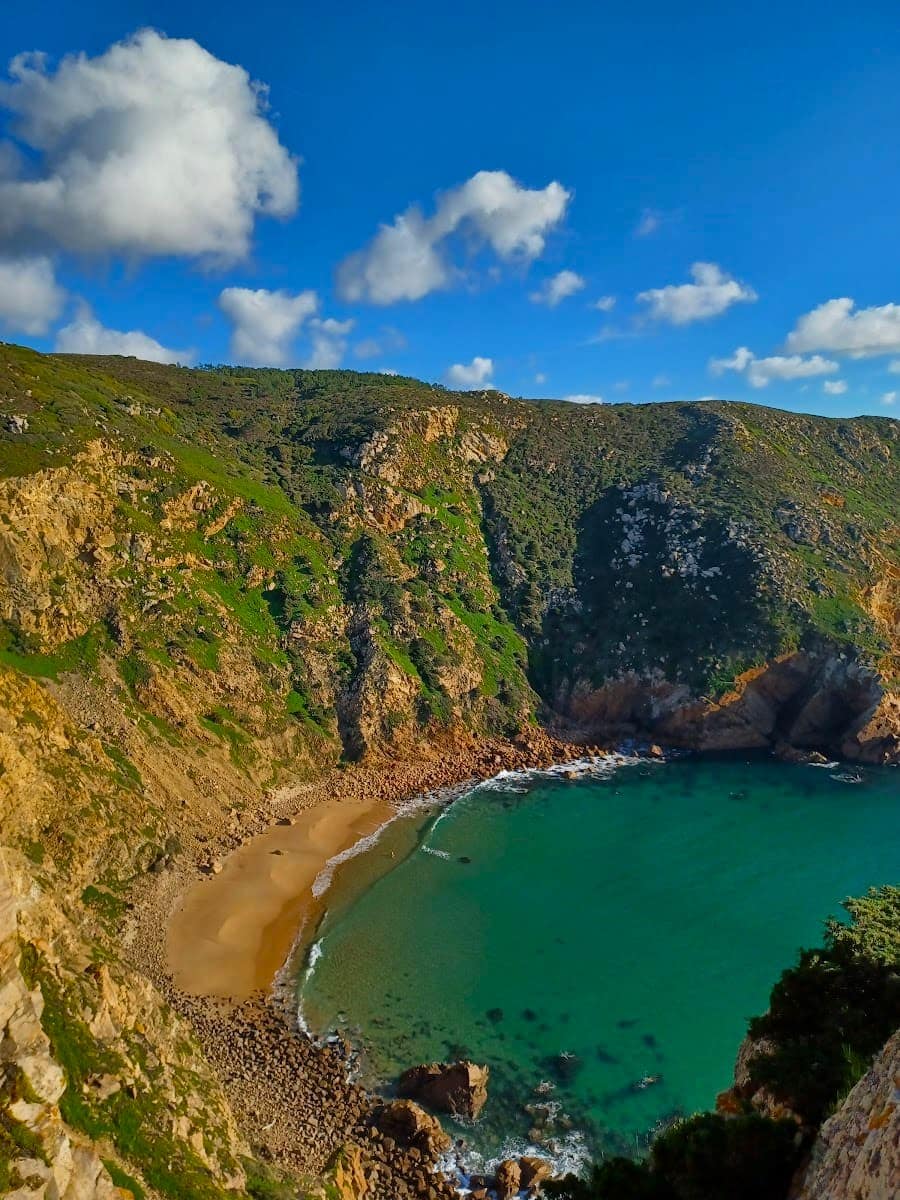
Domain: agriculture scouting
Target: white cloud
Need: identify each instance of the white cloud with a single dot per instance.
(650, 221)
(540, 377)
(836, 327)
(475, 374)
(761, 371)
(555, 289)
(329, 342)
(388, 371)
(605, 304)
(834, 387)
(406, 259)
(584, 398)
(889, 398)
(264, 323)
(661, 381)
(894, 367)
(30, 297)
(712, 292)
(154, 147)
(85, 335)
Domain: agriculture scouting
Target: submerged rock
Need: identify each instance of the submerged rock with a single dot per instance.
(458, 1088)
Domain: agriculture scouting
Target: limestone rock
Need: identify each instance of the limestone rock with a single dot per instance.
(857, 1153)
(458, 1088)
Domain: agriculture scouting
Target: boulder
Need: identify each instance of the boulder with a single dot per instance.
(533, 1171)
(412, 1127)
(508, 1179)
(458, 1088)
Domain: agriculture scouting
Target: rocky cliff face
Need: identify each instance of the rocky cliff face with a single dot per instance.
(856, 1155)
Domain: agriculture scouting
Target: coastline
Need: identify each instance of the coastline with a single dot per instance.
(292, 1097)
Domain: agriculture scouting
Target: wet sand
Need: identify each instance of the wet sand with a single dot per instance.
(232, 931)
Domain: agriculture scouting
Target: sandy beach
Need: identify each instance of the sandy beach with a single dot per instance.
(232, 931)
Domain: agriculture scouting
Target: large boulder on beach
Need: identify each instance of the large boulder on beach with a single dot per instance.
(458, 1088)
(411, 1127)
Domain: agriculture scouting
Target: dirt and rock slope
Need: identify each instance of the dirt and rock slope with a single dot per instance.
(223, 586)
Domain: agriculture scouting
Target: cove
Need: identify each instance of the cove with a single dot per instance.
(586, 936)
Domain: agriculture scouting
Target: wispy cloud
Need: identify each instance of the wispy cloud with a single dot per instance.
(557, 288)
(761, 371)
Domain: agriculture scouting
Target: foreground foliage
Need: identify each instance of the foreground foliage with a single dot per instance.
(828, 1017)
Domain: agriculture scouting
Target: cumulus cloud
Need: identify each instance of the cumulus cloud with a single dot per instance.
(584, 398)
(889, 398)
(761, 371)
(154, 147)
(264, 323)
(894, 367)
(605, 304)
(329, 342)
(834, 387)
(408, 258)
(30, 297)
(712, 292)
(555, 289)
(661, 381)
(86, 335)
(475, 374)
(836, 327)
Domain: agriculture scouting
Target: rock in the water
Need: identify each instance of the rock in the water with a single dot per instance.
(533, 1171)
(508, 1180)
(458, 1088)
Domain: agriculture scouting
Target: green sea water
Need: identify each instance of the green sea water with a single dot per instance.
(585, 936)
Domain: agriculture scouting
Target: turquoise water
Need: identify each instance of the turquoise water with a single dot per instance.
(631, 923)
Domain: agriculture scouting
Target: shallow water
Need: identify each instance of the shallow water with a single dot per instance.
(631, 923)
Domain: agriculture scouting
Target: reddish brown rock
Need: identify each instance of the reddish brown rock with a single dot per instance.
(508, 1180)
(458, 1088)
(410, 1126)
(533, 1171)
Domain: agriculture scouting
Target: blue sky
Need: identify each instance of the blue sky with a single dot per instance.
(722, 181)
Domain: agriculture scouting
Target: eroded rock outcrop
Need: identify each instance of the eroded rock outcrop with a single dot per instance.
(819, 702)
(458, 1088)
(856, 1155)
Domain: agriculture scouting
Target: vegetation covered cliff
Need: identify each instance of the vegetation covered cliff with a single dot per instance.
(346, 560)
(215, 581)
